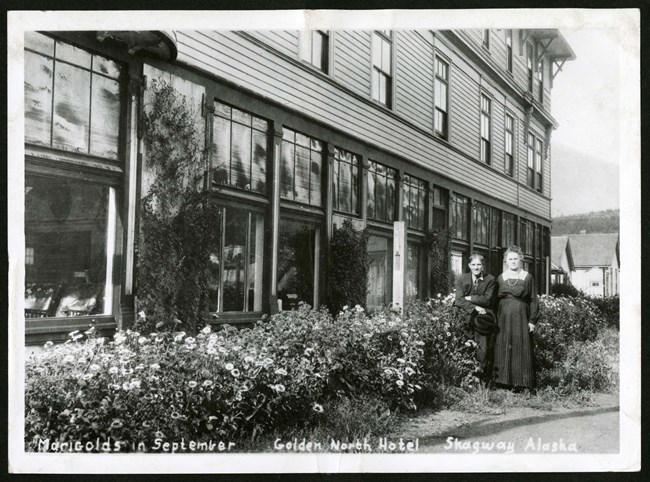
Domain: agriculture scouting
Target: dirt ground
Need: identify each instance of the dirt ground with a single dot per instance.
(593, 429)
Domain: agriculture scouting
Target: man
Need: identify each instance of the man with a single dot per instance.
(475, 294)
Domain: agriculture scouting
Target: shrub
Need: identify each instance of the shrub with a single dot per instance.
(565, 290)
(562, 321)
(438, 242)
(348, 268)
(610, 308)
(586, 367)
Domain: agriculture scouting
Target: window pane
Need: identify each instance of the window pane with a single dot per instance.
(412, 288)
(221, 150)
(375, 84)
(286, 170)
(39, 43)
(241, 117)
(241, 156)
(73, 55)
(106, 67)
(222, 110)
(317, 50)
(376, 50)
(390, 199)
(38, 98)
(302, 174)
(355, 187)
(258, 174)
(296, 255)
(66, 227)
(371, 195)
(71, 107)
(315, 178)
(378, 274)
(105, 117)
(386, 57)
(234, 259)
(255, 263)
(345, 182)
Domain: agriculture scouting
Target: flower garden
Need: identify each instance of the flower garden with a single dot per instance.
(297, 370)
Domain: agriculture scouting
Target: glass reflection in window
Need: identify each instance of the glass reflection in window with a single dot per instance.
(379, 276)
(297, 263)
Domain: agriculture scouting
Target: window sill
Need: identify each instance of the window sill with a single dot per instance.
(40, 330)
(236, 318)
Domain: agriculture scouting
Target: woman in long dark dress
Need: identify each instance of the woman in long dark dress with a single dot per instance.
(517, 314)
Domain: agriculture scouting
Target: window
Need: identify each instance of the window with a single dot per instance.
(530, 176)
(527, 231)
(595, 284)
(458, 216)
(301, 168)
(70, 230)
(382, 67)
(381, 192)
(507, 229)
(238, 263)
(379, 274)
(495, 224)
(538, 164)
(509, 49)
(314, 48)
(486, 120)
(297, 263)
(72, 98)
(345, 181)
(439, 207)
(441, 114)
(509, 144)
(529, 65)
(538, 241)
(412, 287)
(540, 78)
(486, 39)
(481, 223)
(240, 149)
(415, 193)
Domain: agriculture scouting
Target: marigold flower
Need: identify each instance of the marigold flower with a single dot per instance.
(399, 383)
(189, 340)
(154, 366)
(94, 367)
(68, 359)
(117, 423)
(280, 371)
(159, 434)
(206, 330)
(208, 383)
(142, 340)
(175, 415)
(192, 384)
(317, 407)
(279, 388)
(48, 344)
(229, 366)
(234, 372)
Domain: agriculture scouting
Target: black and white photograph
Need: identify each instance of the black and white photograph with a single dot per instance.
(324, 241)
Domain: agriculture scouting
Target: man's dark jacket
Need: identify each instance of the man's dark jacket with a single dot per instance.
(481, 295)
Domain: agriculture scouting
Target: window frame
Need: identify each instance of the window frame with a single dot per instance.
(458, 202)
(509, 50)
(485, 40)
(385, 177)
(383, 37)
(540, 78)
(419, 186)
(355, 204)
(306, 48)
(539, 164)
(323, 161)
(509, 147)
(530, 160)
(437, 109)
(485, 154)
(530, 66)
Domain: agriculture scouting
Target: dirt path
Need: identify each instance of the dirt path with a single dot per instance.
(593, 429)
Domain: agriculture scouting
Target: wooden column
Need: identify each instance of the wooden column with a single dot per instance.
(276, 159)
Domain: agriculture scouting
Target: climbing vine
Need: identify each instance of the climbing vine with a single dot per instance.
(179, 221)
(438, 242)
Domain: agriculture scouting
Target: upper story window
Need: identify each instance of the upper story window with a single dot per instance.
(382, 67)
(301, 168)
(539, 148)
(381, 192)
(441, 115)
(345, 181)
(540, 78)
(509, 49)
(458, 216)
(415, 194)
(486, 38)
(529, 65)
(509, 144)
(481, 223)
(72, 97)
(530, 157)
(486, 121)
(314, 48)
(240, 148)
(507, 229)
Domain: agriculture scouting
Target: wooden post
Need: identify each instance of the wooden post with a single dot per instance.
(399, 263)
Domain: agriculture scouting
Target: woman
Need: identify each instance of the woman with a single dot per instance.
(517, 314)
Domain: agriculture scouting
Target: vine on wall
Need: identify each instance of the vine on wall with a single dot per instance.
(349, 264)
(179, 221)
(438, 242)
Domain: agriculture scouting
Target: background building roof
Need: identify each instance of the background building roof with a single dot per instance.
(559, 245)
(596, 249)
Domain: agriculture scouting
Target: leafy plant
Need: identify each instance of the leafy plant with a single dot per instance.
(439, 246)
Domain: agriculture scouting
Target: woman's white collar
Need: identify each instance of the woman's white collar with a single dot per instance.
(507, 275)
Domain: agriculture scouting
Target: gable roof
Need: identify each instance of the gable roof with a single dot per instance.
(560, 245)
(596, 249)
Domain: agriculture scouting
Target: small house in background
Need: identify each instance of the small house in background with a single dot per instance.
(561, 260)
(596, 259)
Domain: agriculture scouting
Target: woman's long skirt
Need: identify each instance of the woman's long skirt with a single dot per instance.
(513, 353)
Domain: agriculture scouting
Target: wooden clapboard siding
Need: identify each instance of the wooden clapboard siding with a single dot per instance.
(530, 201)
(235, 58)
(414, 78)
(475, 35)
(464, 112)
(498, 134)
(352, 60)
(521, 158)
(285, 41)
(498, 51)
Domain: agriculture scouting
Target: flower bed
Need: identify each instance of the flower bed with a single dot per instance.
(237, 384)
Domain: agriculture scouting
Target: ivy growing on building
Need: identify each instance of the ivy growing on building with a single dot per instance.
(438, 242)
(348, 267)
(179, 221)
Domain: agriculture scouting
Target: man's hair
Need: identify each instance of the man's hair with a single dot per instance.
(478, 257)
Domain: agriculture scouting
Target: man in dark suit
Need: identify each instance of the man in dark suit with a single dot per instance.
(475, 295)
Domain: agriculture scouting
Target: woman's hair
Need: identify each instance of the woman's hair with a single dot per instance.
(513, 249)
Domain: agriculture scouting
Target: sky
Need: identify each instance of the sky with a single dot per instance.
(586, 104)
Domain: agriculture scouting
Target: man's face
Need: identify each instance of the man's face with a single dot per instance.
(476, 267)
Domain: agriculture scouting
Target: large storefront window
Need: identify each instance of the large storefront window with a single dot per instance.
(508, 229)
(379, 275)
(345, 181)
(297, 263)
(240, 148)
(458, 216)
(238, 263)
(412, 288)
(301, 168)
(69, 247)
(481, 223)
(415, 195)
(72, 98)
(381, 192)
